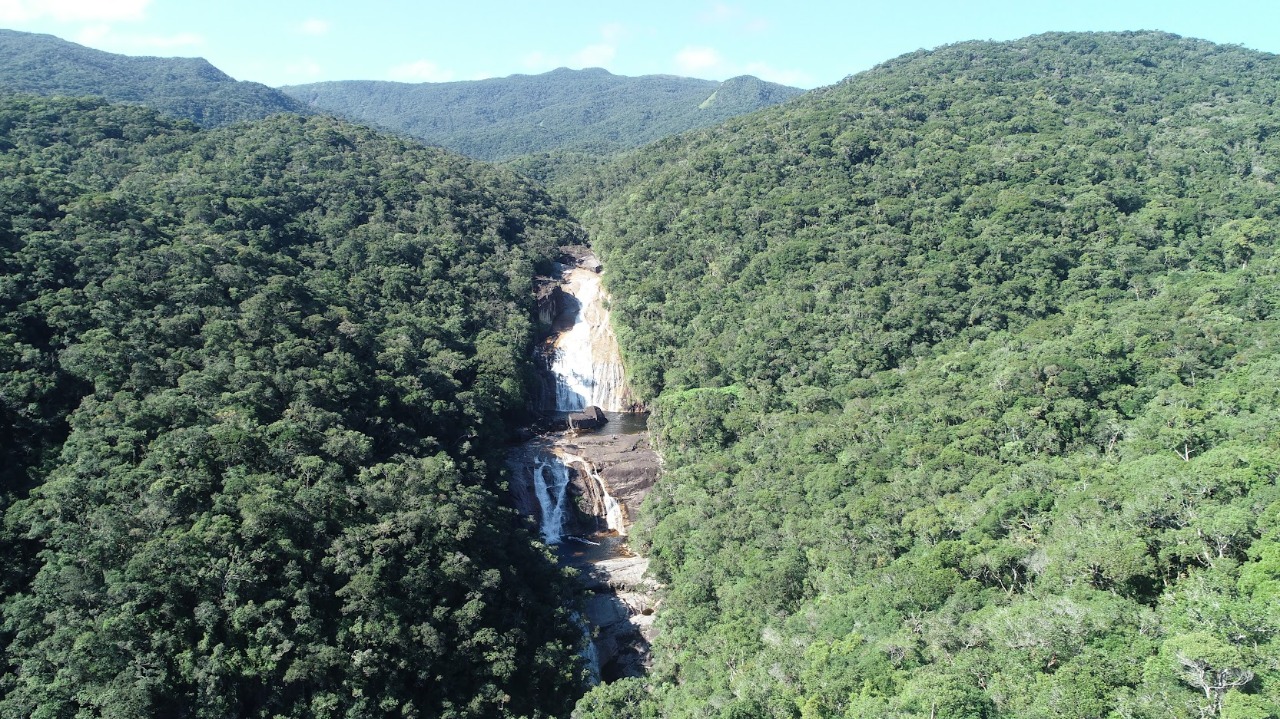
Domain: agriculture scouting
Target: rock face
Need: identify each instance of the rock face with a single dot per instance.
(622, 467)
(580, 355)
(625, 463)
(549, 299)
(620, 605)
(579, 256)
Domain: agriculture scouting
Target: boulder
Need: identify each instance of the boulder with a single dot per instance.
(589, 418)
(579, 256)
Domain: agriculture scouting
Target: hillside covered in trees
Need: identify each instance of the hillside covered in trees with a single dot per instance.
(184, 87)
(255, 385)
(588, 110)
(965, 374)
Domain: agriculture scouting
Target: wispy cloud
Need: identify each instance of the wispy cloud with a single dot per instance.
(694, 60)
(14, 11)
(105, 37)
(420, 71)
(303, 69)
(707, 62)
(764, 71)
(724, 14)
(595, 55)
(538, 61)
(613, 32)
(719, 12)
(315, 26)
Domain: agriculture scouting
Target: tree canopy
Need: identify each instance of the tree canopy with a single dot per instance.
(964, 371)
(256, 385)
(592, 110)
(183, 87)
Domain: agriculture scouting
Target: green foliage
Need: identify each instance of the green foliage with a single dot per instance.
(965, 376)
(584, 111)
(256, 385)
(187, 88)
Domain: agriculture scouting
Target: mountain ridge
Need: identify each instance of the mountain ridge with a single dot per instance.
(563, 109)
(188, 88)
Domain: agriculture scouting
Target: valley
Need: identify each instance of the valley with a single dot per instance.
(947, 390)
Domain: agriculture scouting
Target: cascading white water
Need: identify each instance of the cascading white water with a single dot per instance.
(587, 367)
(613, 517)
(587, 364)
(551, 487)
(589, 653)
(582, 355)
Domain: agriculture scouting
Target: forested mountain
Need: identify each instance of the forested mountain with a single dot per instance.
(965, 374)
(589, 110)
(255, 386)
(188, 88)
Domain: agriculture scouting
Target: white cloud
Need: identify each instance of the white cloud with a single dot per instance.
(795, 78)
(420, 71)
(706, 62)
(613, 32)
(595, 55)
(599, 54)
(538, 61)
(315, 26)
(93, 34)
(719, 12)
(722, 13)
(303, 69)
(13, 11)
(182, 39)
(693, 60)
(105, 38)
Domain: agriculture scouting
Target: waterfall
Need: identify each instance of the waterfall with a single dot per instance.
(586, 363)
(613, 515)
(551, 487)
(556, 472)
(590, 655)
(551, 474)
(587, 368)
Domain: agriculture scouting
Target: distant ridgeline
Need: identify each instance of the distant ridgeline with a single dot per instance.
(965, 373)
(188, 88)
(585, 110)
(255, 387)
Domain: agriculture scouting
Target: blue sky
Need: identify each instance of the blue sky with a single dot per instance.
(799, 43)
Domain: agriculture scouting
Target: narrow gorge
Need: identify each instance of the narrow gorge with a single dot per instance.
(589, 465)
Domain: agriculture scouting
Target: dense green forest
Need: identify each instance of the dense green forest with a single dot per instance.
(255, 386)
(965, 375)
(591, 111)
(964, 372)
(184, 87)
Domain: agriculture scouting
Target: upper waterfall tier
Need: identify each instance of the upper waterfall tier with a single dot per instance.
(586, 362)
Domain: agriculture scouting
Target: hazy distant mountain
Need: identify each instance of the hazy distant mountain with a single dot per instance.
(500, 118)
(186, 87)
